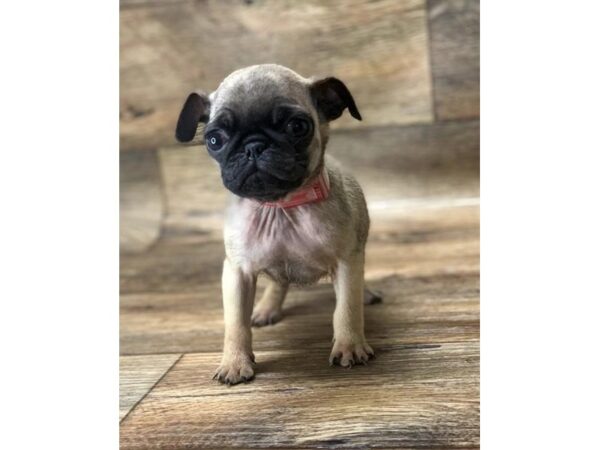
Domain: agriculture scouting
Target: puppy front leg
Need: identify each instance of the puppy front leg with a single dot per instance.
(238, 296)
(349, 343)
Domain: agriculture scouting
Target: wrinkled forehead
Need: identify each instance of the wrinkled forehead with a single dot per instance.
(256, 92)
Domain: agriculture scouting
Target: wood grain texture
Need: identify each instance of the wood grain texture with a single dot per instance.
(411, 396)
(419, 241)
(454, 35)
(415, 310)
(380, 49)
(422, 390)
(137, 375)
(140, 200)
(426, 263)
(418, 162)
(195, 195)
(421, 180)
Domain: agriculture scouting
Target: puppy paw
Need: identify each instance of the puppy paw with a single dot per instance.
(349, 353)
(372, 297)
(235, 370)
(266, 316)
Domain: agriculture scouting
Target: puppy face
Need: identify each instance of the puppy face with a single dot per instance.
(267, 127)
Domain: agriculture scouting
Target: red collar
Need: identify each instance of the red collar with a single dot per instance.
(316, 191)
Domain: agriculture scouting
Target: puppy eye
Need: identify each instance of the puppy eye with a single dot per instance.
(297, 127)
(215, 140)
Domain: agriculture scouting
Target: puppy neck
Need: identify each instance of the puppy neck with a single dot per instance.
(316, 190)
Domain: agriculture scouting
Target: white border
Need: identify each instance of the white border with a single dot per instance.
(59, 226)
(540, 224)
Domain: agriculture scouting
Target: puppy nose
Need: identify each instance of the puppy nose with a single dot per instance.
(254, 148)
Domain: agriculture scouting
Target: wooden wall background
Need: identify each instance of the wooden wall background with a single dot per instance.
(412, 65)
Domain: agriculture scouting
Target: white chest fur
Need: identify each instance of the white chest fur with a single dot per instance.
(293, 244)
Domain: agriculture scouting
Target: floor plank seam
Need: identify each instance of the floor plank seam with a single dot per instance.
(135, 405)
(407, 346)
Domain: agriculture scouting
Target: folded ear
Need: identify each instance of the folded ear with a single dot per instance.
(195, 110)
(331, 97)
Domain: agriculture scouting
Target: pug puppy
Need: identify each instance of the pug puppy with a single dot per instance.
(294, 215)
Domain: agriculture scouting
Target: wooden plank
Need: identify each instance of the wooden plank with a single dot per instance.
(194, 192)
(417, 242)
(173, 267)
(141, 200)
(409, 397)
(427, 266)
(407, 241)
(454, 35)
(420, 392)
(418, 162)
(415, 310)
(168, 49)
(137, 375)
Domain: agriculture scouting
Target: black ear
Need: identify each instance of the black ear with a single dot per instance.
(331, 97)
(195, 110)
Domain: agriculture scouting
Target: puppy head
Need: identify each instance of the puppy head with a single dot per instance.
(267, 127)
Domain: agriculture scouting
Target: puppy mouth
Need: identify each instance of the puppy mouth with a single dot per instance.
(284, 173)
(265, 180)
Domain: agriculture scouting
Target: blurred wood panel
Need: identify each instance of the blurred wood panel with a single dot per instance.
(430, 160)
(137, 375)
(187, 197)
(400, 150)
(173, 266)
(194, 192)
(170, 48)
(411, 396)
(425, 251)
(141, 202)
(426, 264)
(418, 161)
(454, 29)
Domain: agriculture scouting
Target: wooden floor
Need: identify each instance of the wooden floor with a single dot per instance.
(422, 390)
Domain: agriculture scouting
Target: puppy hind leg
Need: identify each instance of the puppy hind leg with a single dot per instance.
(268, 309)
